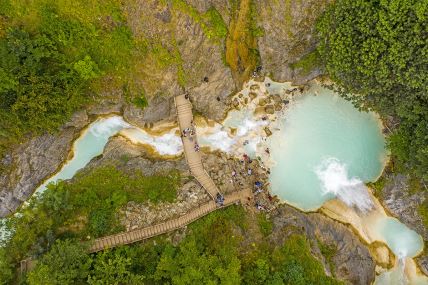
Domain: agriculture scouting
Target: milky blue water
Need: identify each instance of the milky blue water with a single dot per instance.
(328, 149)
(325, 147)
(89, 145)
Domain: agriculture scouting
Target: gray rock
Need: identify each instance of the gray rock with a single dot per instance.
(159, 108)
(352, 260)
(399, 200)
(288, 35)
(33, 162)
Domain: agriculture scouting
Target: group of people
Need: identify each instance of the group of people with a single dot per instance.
(197, 147)
(189, 133)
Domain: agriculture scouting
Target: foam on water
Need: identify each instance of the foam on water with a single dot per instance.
(216, 137)
(334, 179)
(319, 125)
(166, 144)
(246, 138)
(393, 277)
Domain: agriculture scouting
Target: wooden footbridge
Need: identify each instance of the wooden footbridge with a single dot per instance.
(168, 226)
(194, 160)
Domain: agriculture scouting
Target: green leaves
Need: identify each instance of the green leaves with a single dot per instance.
(86, 68)
(112, 268)
(377, 53)
(65, 263)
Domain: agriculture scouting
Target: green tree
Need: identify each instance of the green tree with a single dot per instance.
(86, 68)
(377, 54)
(65, 263)
(113, 268)
(6, 268)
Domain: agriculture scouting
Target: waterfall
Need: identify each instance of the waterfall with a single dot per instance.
(108, 126)
(396, 276)
(334, 179)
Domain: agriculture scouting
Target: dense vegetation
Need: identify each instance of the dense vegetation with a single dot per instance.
(51, 54)
(86, 208)
(210, 253)
(377, 53)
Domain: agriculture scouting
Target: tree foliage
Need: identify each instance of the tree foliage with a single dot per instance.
(49, 58)
(66, 263)
(87, 206)
(212, 252)
(377, 53)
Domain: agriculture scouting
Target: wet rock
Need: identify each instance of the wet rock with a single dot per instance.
(267, 131)
(276, 98)
(352, 260)
(382, 254)
(403, 203)
(252, 95)
(235, 103)
(270, 109)
(254, 87)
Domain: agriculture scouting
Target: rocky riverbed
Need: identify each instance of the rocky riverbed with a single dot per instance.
(351, 261)
(288, 36)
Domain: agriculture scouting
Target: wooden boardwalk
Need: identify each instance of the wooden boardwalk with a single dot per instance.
(193, 158)
(168, 226)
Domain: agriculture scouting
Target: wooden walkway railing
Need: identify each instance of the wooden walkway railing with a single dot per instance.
(193, 158)
(168, 226)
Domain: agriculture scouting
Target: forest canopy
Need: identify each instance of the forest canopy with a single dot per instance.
(377, 54)
(48, 58)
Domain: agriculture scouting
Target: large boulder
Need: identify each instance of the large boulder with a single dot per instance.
(178, 33)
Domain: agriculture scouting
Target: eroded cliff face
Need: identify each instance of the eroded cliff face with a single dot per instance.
(347, 259)
(288, 37)
(185, 51)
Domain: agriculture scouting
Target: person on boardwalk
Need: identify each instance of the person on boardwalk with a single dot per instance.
(219, 200)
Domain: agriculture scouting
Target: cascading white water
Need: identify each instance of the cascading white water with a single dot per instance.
(246, 139)
(334, 179)
(166, 144)
(395, 276)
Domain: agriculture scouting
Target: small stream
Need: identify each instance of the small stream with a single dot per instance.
(322, 148)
